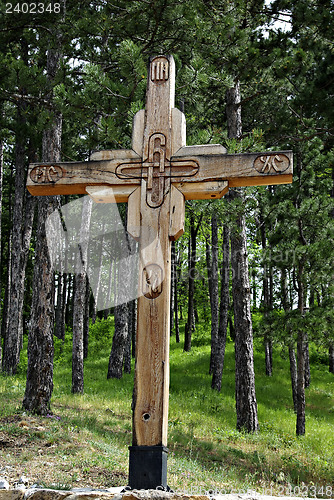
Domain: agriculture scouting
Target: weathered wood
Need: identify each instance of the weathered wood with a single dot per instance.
(177, 213)
(155, 177)
(151, 387)
(108, 194)
(186, 171)
(202, 190)
(150, 404)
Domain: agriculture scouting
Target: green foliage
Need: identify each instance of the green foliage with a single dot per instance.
(201, 336)
(101, 333)
(100, 337)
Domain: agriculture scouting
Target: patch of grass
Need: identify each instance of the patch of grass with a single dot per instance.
(85, 441)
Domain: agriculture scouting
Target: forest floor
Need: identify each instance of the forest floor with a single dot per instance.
(84, 441)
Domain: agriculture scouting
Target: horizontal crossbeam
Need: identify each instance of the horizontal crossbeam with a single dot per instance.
(127, 171)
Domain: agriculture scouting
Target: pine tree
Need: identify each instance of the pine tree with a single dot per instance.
(79, 305)
(39, 384)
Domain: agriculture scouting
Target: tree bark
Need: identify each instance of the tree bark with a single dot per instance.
(121, 314)
(246, 404)
(106, 311)
(39, 384)
(1, 177)
(86, 320)
(293, 374)
(133, 329)
(98, 285)
(176, 300)
(233, 111)
(267, 303)
(223, 312)
(4, 323)
(69, 299)
(331, 357)
(172, 286)
(292, 354)
(307, 362)
(13, 333)
(191, 282)
(115, 367)
(214, 293)
(61, 306)
(300, 424)
(80, 300)
(127, 350)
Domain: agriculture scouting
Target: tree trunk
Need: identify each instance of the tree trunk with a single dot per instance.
(292, 354)
(39, 384)
(300, 424)
(61, 306)
(13, 334)
(121, 314)
(191, 282)
(268, 350)
(79, 307)
(172, 286)
(223, 312)
(107, 310)
(176, 305)
(266, 300)
(293, 374)
(127, 350)
(331, 356)
(69, 299)
(132, 331)
(307, 363)
(115, 367)
(214, 293)
(4, 323)
(86, 320)
(246, 404)
(233, 112)
(1, 177)
(98, 284)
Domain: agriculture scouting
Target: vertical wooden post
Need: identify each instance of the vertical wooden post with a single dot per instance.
(148, 455)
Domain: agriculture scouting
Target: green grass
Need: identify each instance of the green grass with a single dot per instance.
(87, 437)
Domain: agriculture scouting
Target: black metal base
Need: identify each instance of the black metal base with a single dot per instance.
(148, 467)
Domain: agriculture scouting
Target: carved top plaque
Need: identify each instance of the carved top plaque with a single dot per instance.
(159, 69)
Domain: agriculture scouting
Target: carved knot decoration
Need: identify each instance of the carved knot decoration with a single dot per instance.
(46, 174)
(267, 164)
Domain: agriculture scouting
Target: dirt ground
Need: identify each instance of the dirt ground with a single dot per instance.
(28, 456)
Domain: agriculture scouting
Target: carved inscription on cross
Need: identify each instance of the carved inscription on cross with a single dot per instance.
(155, 177)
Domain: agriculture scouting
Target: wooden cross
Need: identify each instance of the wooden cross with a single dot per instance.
(155, 177)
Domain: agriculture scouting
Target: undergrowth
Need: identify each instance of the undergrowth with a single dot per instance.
(86, 437)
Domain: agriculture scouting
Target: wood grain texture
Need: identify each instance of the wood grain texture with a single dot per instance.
(151, 386)
(238, 170)
(234, 168)
(177, 214)
(73, 177)
(207, 190)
